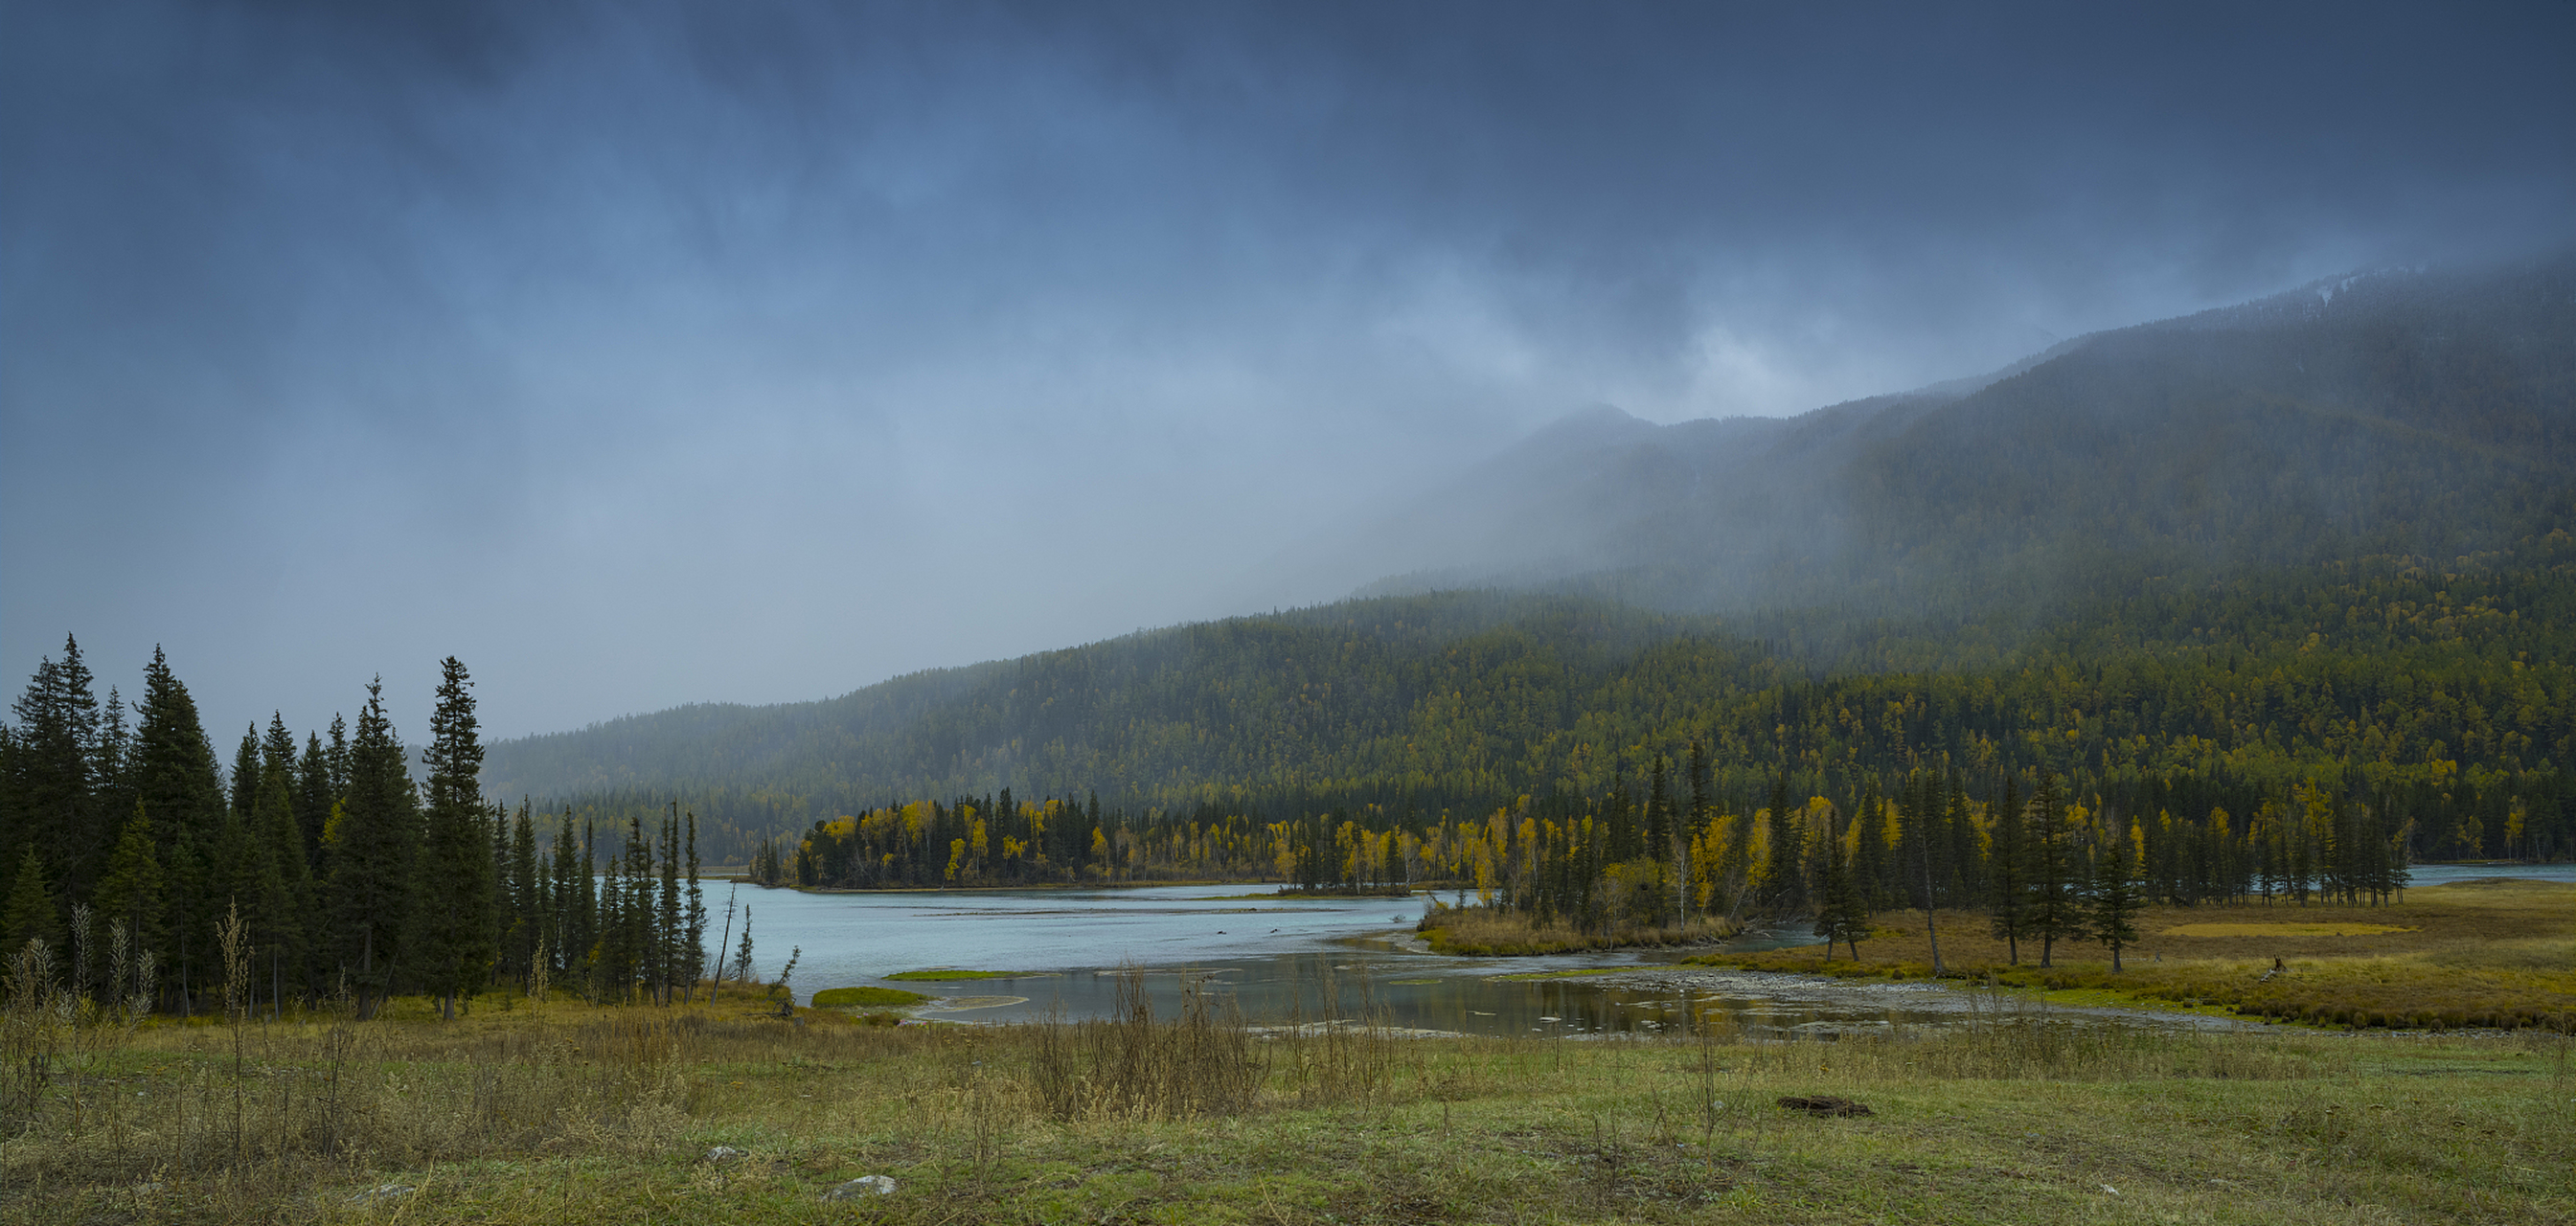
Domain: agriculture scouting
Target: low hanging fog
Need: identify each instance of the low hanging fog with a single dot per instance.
(649, 354)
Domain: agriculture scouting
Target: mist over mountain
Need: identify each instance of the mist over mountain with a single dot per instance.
(2394, 412)
(2202, 485)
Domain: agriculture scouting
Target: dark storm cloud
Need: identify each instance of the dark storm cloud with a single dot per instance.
(641, 354)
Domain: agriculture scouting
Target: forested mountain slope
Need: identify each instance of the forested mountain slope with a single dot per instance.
(2317, 538)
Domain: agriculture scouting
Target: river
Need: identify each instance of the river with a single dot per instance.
(1281, 960)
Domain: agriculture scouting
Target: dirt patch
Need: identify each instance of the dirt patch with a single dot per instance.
(1824, 1105)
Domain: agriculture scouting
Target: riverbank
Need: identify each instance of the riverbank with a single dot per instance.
(1484, 932)
(1279, 890)
(577, 1115)
(2492, 953)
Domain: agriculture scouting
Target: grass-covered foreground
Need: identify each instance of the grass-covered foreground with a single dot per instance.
(2491, 953)
(575, 1115)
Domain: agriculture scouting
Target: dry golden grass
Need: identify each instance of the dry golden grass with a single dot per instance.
(2279, 929)
(1487, 932)
(2480, 954)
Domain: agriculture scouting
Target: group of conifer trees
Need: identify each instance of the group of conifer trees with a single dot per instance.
(351, 877)
(2046, 868)
(1670, 846)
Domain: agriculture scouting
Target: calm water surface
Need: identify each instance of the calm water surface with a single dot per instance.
(1287, 960)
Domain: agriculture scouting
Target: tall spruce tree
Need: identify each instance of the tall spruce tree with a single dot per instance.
(2053, 873)
(54, 755)
(525, 890)
(1869, 866)
(112, 764)
(571, 874)
(180, 790)
(1659, 814)
(31, 913)
(131, 889)
(1788, 848)
(288, 908)
(1841, 916)
(314, 795)
(454, 934)
(694, 947)
(670, 921)
(2007, 872)
(2112, 910)
(372, 845)
(245, 774)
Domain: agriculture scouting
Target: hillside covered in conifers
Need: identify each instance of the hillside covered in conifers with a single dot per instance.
(2317, 539)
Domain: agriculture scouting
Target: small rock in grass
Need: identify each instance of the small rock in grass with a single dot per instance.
(1824, 1104)
(864, 1185)
(382, 1192)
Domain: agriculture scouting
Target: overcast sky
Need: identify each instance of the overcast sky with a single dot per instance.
(643, 353)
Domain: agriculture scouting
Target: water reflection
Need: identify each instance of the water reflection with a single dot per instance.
(1281, 960)
(1430, 994)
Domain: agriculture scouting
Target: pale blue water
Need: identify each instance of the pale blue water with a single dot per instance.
(2439, 874)
(1274, 960)
(1280, 960)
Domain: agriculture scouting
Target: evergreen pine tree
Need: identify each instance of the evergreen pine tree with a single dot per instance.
(1619, 810)
(1869, 866)
(454, 935)
(565, 935)
(2115, 901)
(2053, 898)
(337, 758)
(313, 800)
(373, 841)
(586, 898)
(1659, 817)
(1967, 864)
(2007, 871)
(1840, 914)
(112, 763)
(131, 888)
(1694, 822)
(54, 752)
(288, 908)
(245, 776)
(526, 888)
(177, 785)
(31, 914)
(693, 948)
(742, 952)
(1788, 850)
(670, 922)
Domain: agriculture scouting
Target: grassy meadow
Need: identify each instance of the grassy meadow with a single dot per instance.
(2491, 953)
(727, 1113)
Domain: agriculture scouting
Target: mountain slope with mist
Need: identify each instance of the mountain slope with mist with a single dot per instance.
(2398, 447)
(2420, 413)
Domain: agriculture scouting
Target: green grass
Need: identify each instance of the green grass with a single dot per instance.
(866, 997)
(956, 976)
(606, 1115)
